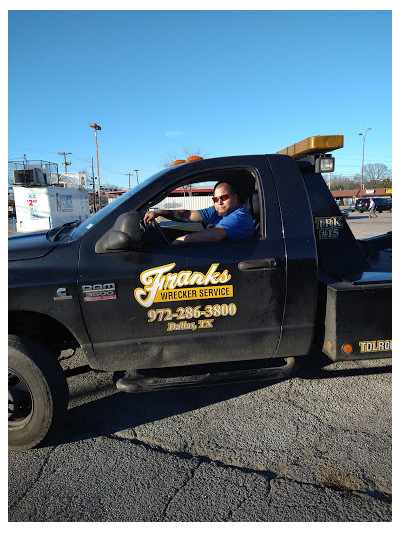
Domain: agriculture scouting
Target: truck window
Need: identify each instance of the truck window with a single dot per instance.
(197, 195)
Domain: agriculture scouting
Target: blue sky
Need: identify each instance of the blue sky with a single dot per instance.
(223, 82)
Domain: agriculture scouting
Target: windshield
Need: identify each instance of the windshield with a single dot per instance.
(105, 211)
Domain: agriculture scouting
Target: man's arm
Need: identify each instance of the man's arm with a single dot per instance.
(177, 215)
(207, 235)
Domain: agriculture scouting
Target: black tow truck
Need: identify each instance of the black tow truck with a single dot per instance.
(161, 316)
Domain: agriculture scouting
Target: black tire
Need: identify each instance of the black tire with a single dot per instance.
(37, 392)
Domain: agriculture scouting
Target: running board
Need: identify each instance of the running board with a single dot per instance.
(139, 383)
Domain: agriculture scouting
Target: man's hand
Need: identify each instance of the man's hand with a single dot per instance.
(149, 216)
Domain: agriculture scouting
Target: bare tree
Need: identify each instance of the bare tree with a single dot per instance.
(343, 183)
(377, 175)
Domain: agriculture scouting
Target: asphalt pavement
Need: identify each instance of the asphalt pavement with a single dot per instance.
(314, 448)
(364, 227)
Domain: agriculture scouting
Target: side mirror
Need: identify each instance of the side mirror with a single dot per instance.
(125, 234)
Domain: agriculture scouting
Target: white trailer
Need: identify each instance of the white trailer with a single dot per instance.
(46, 207)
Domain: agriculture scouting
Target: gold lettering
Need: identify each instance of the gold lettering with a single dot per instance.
(375, 346)
(159, 284)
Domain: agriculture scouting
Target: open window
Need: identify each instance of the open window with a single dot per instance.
(196, 194)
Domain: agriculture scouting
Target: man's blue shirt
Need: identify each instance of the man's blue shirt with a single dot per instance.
(238, 225)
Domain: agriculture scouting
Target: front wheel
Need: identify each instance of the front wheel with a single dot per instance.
(37, 392)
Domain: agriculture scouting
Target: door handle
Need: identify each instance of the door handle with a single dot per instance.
(259, 264)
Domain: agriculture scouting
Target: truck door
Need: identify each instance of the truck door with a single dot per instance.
(176, 305)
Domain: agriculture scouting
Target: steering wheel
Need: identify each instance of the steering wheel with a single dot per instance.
(160, 231)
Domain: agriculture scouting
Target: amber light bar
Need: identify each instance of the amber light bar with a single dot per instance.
(319, 144)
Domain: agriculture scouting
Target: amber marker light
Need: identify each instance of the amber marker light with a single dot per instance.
(178, 162)
(329, 345)
(193, 158)
(347, 348)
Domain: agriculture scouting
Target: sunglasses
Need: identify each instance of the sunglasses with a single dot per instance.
(224, 197)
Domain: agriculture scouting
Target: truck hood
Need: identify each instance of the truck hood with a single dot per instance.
(29, 246)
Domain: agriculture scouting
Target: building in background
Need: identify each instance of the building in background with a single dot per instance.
(348, 197)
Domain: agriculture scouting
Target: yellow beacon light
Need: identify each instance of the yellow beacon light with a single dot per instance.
(319, 144)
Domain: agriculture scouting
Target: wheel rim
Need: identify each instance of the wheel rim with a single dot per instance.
(20, 401)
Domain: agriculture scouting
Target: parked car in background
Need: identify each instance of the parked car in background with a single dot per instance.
(352, 206)
(382, 204)
(362, 204)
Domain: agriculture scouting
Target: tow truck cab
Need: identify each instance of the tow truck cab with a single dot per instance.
(201, 303)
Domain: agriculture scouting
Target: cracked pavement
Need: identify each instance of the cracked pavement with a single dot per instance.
(316, 447)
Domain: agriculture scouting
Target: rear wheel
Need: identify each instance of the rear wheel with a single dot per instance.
(37, 392)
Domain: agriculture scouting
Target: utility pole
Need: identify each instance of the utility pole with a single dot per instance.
(97, 127)
(137, 177)
(362, 164)
(94, 191)
(65, 161)
(129, 175)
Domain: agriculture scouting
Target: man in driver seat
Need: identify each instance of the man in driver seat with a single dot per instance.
(226, 219)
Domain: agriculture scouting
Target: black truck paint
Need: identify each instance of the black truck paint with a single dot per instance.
(133, 302)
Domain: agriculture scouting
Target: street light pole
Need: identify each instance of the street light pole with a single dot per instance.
(362, 164)
(94, 190)
(97, 127)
